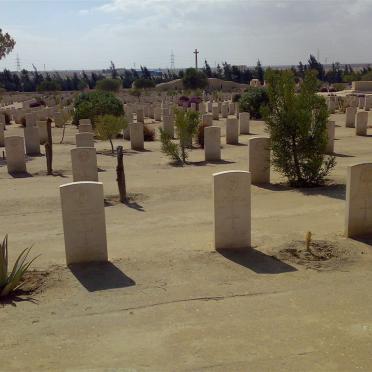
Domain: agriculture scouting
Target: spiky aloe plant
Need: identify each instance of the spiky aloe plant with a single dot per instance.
(10, 281)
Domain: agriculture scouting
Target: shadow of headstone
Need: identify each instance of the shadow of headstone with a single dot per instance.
(99, 276)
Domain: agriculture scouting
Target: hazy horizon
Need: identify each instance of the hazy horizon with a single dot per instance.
(77, 35)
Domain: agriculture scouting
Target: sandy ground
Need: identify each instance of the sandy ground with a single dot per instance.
(167, 301)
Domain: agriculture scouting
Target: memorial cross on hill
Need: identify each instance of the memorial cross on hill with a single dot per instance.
(196, 52)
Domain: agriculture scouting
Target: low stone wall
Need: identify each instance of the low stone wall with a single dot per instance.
(362, 86)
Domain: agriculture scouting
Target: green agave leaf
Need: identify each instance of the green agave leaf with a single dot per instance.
(4, 261)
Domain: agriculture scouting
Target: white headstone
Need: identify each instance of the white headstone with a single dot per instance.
(136, 136)
(361, 122)
(358, 218)
(84, 139)
(15, 154)
(259, 160)
(84, 224)
(232, 210)
(212, 143)
(244, 118)
(232, 131)
(84, 164)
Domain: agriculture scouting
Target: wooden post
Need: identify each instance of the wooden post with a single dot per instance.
(121, 175)
(49, 148)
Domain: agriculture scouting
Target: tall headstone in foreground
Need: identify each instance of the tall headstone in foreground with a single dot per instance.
(232, 210)
(232, 131)
(259, 160)
(84, 164)
(136, 136)
(15, 154)
(350, 117)
(84, 139)
(84, 223)
(244, 118)
(361, 121)
(330, 137)
(212, 143)
(358, 217)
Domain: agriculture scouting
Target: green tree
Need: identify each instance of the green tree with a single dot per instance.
(93, 104)
(143, 83)
(207, 69)
(194, 79)
(259, 72)
(114, 73)
(7, 44)
(313, 64)
(252, 100)
(48, 86)
(108, 85)
(187, 123)
(297, 127)
(109, 126)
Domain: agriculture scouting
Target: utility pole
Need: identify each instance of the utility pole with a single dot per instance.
(196, 52)
(172, 61)
(18, 63)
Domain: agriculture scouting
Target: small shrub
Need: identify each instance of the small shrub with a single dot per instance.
(187, 125)
(170, 148)
(109, 126)
(143, 83)
(23, 122)
(11, 281)
(148, 133)
(93, 104)
(339, 86)
(108, 85)
(253, 100)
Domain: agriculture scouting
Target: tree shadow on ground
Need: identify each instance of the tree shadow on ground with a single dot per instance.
(206, 162)
(257, 261)
(342, 155)
(336, 191)
(100, 276)
(134, 205)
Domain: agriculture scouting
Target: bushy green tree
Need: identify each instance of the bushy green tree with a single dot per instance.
(109, 126)
(297, 127)
(194, 79)
(143, 83)
(93, 104)
(187, 123)
(48, 86)
(252, 100)
(108, 85)
(7, 44)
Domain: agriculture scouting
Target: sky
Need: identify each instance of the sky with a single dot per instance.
(76, 34)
